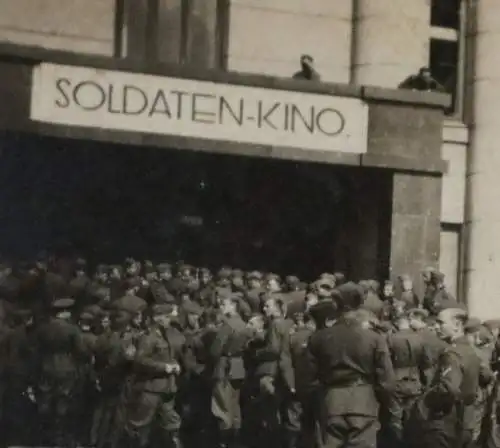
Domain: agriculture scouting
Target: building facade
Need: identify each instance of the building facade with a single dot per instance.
(354, 43)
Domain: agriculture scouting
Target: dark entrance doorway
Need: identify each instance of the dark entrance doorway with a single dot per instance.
(110, 201)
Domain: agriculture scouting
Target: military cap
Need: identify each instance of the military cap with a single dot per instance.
(164, 309)
(149, 267)
(129, 261)
(325, 283)
(437, 276)
(85, 316)
(237, 273)
(254, 275)
(80, 263)
(224, 273)
(192, 308)
(102, 269)
(95, 310)
(327, 275)
(164, 267)
(21, 312)
(339, 278)
(404, 277)
(324, 309)
(62, 304)
(204, 271)
(473, 325)
(418, 313)
(492, 324)
(374, 285)
(350, 296)
(292, 280)
(130, 304)
(272, 276)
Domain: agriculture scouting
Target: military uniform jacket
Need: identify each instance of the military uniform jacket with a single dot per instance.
(274, 359)
(154, 352)
(411, 360)
(354, 368)
(227, 348)
(60, 349)
(458, 377)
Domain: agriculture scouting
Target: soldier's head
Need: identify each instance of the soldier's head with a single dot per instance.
(228, 306)
(80, 267)
(256, 324)
(193, 313)
(254, 280)
(425, 73)
(164, 271)
(417, 318)
(115, 272)
(273, 306)
(272, 283)
(162, 315)
(451, 323)
(472, 331)
(101, 273)
(324, 286)
(388, 289)
(132, 267)
(85, 322)
(237, 278)
(405, 282)
(149, 271)
(61, 308)
(204, 276)
(494, 326)
(307, 63)
(128, 311)
(292, 283)
(311, 299)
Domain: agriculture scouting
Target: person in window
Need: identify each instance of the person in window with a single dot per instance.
(307, 70)
(423, 81)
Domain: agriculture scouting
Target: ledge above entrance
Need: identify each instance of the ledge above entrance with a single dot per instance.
(403, 130)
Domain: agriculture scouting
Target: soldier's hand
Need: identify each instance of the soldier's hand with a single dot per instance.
(169, 368)
(31, 395)
(130, 351)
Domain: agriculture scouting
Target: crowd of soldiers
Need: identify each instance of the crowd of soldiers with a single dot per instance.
(143, 355)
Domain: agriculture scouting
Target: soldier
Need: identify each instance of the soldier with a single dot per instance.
(59, 366)
(408, 295)
(114, 353)
(353, 367)
(226, 356)
(307, 70)
(411, 361)
(17, 351)
(436, 297)
(272, 283)
(195, 389)
(445, 416)
(274, 371)
(155, 385)
(254, 290)
(301, 418)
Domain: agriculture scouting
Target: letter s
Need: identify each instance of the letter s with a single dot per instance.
(63, 102)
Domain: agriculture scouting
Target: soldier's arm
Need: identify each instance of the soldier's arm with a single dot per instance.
(385, 380)
(445, 391)
(272, 350)
(285, 360)
(425, 366)
(216, 348)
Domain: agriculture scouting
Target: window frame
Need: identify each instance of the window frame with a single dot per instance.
(142, 42)
(457, 229)
(459, 36)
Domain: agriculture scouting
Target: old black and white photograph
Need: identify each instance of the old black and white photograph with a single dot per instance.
(249, 224)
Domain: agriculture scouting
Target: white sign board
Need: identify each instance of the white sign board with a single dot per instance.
(114, 100)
